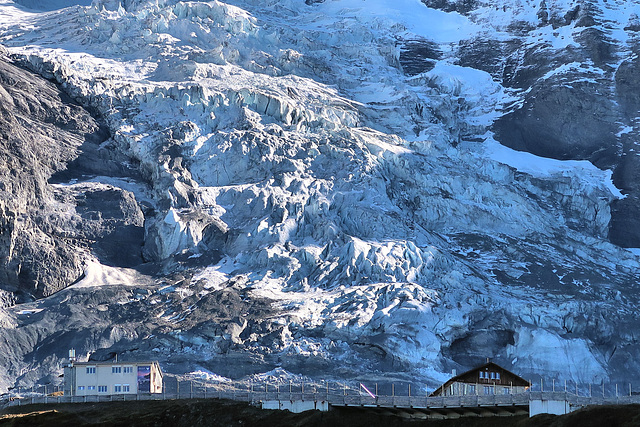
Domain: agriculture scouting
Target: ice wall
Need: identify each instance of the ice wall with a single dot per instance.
(286, 140)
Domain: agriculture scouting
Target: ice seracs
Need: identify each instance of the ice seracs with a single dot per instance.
(290, 159)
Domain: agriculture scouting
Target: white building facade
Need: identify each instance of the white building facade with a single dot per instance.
(105, 378)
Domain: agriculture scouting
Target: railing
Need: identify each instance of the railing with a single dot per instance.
(335, 399)
(576, 400)
(336, 394)
(430, 402)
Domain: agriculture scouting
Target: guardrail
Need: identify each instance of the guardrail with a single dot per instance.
(344, 397)
(431, 402)
(335, 399)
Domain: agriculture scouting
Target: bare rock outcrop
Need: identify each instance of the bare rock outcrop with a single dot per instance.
(48, 230)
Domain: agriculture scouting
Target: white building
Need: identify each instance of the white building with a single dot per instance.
(96, 378)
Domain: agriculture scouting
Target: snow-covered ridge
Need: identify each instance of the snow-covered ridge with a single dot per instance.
(286, 140)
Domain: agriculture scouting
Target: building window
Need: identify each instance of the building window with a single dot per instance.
(481, 375)
(126, 388)
(493, 375)
(506, 390)
(116, 369)
(471, 389)
(102, 389)
(91, 369)
(117, 388)
(488, 390)
(80, 387)
(128, 369)
(91, 387)
(497, 375)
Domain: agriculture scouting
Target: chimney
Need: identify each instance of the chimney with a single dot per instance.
(454, 372)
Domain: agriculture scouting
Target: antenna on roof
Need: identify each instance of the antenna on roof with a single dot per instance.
(487, 360)
(72, 355)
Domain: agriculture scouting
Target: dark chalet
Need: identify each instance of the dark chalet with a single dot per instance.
(484, 380)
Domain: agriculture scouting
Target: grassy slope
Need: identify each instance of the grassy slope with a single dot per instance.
(212, 412)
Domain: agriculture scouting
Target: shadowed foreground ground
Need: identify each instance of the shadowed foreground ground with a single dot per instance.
(213, 412)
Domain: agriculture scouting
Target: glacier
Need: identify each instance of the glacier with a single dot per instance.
(316, 199)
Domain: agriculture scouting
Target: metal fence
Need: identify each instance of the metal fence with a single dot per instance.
(335, 393)
(258, 396)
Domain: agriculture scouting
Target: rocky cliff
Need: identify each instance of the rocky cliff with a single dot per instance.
(47, 229)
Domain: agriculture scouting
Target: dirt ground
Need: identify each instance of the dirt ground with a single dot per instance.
(213, 412)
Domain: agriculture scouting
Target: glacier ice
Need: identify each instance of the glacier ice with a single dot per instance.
(286, 139)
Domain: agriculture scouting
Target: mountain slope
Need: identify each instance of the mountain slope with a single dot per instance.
(331, 169)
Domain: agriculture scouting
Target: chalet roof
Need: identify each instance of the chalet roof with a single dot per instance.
(519, 381)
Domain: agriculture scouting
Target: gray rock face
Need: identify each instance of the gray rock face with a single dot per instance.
(565, 123)
(47, 230)
(418, 56)
(575, 98)
(460, 6)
